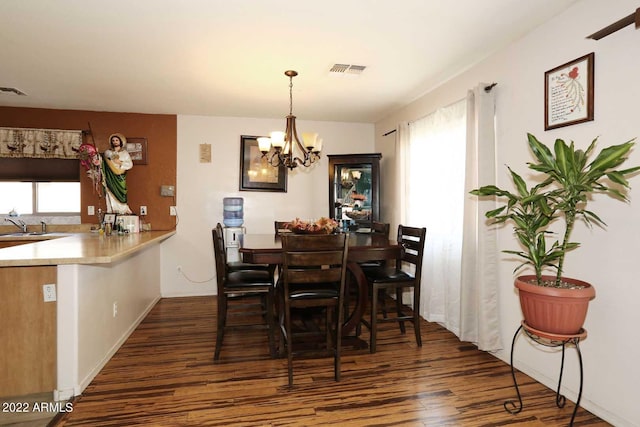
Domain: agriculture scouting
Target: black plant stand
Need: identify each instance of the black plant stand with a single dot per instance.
(550, 340)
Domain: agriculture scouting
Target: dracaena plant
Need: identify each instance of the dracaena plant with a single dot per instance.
(568, 179)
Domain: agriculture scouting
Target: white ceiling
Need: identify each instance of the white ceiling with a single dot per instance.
(228, 57)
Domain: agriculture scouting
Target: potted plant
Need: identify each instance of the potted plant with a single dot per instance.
(551, 302)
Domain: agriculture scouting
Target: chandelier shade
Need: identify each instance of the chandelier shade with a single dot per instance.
(286, 148)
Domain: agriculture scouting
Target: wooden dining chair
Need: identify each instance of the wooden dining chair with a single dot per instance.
(313, 276)
(254, 289)
(405, 274)
(380, 227)
(241, 265)
(280, 227)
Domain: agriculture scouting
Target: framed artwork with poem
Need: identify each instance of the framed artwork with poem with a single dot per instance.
(568, 93)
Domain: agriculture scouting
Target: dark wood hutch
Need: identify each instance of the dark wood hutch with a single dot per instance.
(354, 188)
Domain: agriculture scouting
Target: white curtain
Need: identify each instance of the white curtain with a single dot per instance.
(479, 320)
(440, 159)
(435, 201)
(402, 175)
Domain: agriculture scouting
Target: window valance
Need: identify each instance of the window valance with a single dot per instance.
(39, 143)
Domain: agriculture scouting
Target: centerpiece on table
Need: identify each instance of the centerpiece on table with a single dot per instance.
(321, 226)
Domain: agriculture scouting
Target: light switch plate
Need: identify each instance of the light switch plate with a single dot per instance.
(167, 190)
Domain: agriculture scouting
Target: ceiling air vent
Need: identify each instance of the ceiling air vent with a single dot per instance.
(12, 90)
(343, 69)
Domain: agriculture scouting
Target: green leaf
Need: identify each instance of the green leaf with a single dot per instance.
(541, 152)
(580, 160)
(618, 178)
(591, 147)
(544, 207)
(630, 170)
(494, 212)
(490, 190)
(609, 157)
(562, 157)
(521, 186)
(616, 193)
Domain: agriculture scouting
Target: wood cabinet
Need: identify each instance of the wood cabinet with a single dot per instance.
(354, 188)
(29, 331)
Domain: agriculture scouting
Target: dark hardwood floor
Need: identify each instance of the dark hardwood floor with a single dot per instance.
(164, 375)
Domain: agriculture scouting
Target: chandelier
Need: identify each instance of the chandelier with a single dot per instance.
(283, 143)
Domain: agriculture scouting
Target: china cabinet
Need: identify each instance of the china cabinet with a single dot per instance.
(354, 188)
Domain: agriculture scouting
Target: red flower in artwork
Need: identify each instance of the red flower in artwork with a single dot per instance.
(573, 73)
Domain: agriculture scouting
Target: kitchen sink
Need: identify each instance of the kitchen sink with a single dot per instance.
(21, 234)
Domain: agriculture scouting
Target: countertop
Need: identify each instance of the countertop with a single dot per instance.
(77, 248)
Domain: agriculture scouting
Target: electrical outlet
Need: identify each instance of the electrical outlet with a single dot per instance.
(173, 211)
(49, 292)
(115, 308)
(143, 210)
(91, 210)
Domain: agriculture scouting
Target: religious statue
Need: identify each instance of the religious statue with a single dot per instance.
(115, 164)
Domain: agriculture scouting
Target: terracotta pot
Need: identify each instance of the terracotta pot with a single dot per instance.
(554, 310)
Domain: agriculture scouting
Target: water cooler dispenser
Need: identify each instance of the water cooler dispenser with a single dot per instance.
(233, 218)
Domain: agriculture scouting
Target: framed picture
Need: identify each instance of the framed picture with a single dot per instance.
(109, 218)
(568, 93)
(256, 174)
(137, 148)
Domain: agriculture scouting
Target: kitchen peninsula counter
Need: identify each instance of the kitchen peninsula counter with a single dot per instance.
(76, 248)
(105, 286)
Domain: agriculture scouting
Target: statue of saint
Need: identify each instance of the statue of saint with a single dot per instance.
(115, 164)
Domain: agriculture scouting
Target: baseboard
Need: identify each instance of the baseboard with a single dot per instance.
(570, 394)
(187, 294)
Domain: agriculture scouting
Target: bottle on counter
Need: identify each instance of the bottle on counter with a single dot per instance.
(121, 229)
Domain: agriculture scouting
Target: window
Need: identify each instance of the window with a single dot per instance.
(444, 156)
(35, 186)
(436, 177)
(40, 198)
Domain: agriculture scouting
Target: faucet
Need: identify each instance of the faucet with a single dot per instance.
(18, 223)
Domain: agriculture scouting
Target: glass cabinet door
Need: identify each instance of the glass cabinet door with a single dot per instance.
(354, 188)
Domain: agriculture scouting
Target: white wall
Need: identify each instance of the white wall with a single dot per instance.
(88, 333)
(607, 258)
(202, 186)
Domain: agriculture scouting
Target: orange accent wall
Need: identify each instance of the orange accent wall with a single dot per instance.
(143, 181)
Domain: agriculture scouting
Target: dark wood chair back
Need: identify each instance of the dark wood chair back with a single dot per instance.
(281, 227)
(313, 259)
(380, 227)
(220, 254)
(313, 275)
(412, 240)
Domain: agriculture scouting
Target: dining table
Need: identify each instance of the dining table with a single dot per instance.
(363, 247)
